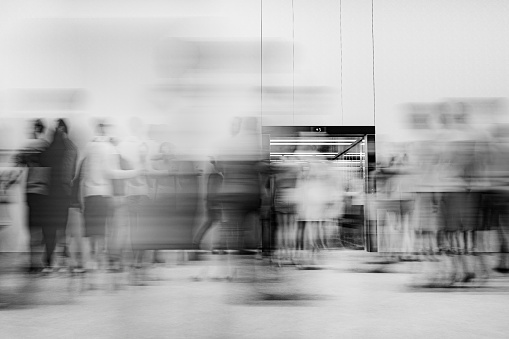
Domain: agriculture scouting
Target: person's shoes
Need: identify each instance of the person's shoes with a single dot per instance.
(78, 270)
(34, 270)
(468, 277)
(47, 270)
(115, 267)
(63, 269)
(502, 270)
(158, 259)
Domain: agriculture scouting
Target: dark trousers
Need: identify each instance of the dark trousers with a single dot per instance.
(37, 226)
(57, 217)
(301, 227)
(213, 216)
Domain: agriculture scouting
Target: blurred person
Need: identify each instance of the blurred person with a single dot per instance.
(395, 199)
(284, 206)
(300, 197)
(474, 174)
(213, 204)
(425, 173)
(163, 170)
(457, 203)
(313, 195)
(498, 177)
(37, 190)
(101, 166)
(241, 166)
(118, 235)
(134, 150)
(77, 205)
(384, 203)
(340, 193)
(61, 157)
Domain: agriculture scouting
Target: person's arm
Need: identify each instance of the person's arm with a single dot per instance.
(70, 164)
(152, 157)
(20, 159)
(111, 168)
(76, 183)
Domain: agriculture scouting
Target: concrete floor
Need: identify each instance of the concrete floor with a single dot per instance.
(342, 300)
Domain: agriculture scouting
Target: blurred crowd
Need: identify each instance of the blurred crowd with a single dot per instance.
(442, 197)
(132, 197)
(309, 196)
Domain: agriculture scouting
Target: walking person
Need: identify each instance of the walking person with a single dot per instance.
(61, 157)
(100, 168)
(213, 205)
(37, 189)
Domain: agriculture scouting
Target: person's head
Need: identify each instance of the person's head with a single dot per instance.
(166, 148)
(167, 151)
(62, 127)
(39, 127)
(444, 115)
(102, 129)
(462, 114)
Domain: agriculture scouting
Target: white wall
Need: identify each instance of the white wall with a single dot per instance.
(429, 50)
(106, 48)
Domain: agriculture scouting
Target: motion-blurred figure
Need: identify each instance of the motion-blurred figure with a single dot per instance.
(397, 203)
(214, 213)
(37, 190)
(134, 151)
(425, 177)
(313, 196)
(458, 204)
(285, 181)
(61, 156)
(241, 190)
(498, 175)
(100, 168)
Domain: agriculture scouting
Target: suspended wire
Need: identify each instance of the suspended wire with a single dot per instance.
(373, 45)
(341, 56)
(293, 63)
(261, 64)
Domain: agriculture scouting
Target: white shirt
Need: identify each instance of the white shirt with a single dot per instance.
(101, 166)
(130, 150)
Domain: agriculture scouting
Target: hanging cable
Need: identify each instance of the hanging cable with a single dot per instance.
(293, 63)
(261, 64)
(341, 56)
(373, 44)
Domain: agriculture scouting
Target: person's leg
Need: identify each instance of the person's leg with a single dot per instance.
(133, 214)
(286, 235)
(61, 234)
(300, 234)
(117, 234)
(87, 243)
(49, 234)
(290, 235)
(34, 210)
(210, 219)
(75, 235)
(281, 223)
(503, 235)
(48, 217)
